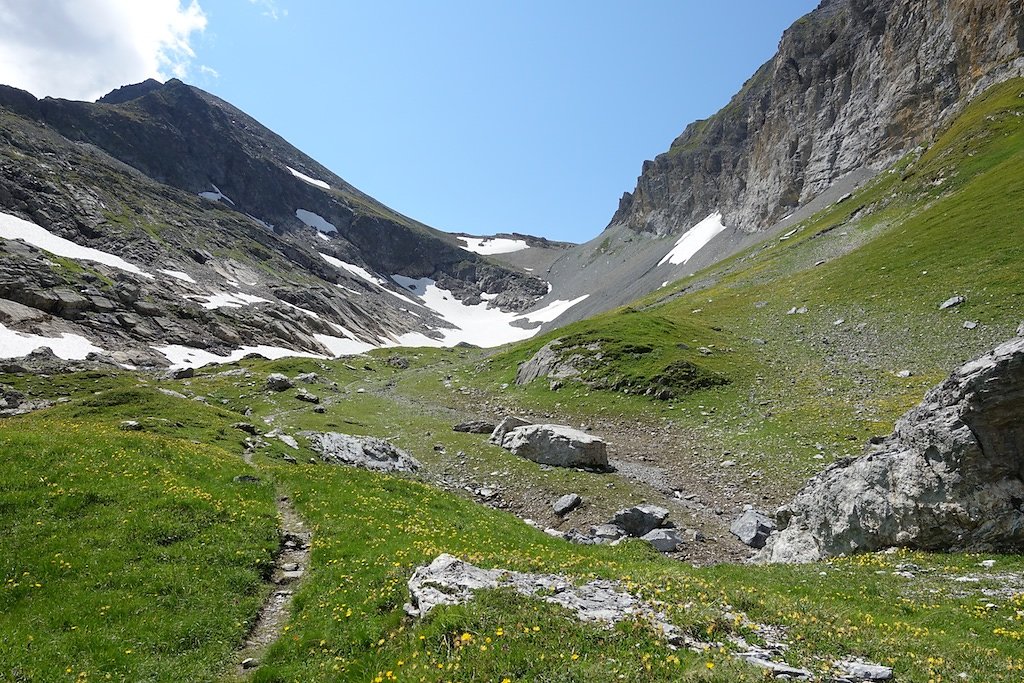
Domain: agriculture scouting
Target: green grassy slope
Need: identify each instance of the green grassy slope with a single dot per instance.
(126, 556)
(135, 555)
(180, 576)
(871, 272)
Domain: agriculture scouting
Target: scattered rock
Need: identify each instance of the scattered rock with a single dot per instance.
(947, 479)
(246, 427)
(663, 540)
(970, 324)
(246, 479)
(474, 427)
(290, 459)
(304, 395)
(567, 503)
(361, 451)
(250, 663)
(694, 536)
(951, 302)
(904, 374)
(640, 519)
(504, 427)
(278, 382)
(863, 671)
(557, 445)
(398, 362)
(308, 378)
(752, 527)
(180, 373)
(608, 532)
(130, 426)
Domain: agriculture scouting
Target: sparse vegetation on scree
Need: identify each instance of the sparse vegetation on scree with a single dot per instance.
(138, 555)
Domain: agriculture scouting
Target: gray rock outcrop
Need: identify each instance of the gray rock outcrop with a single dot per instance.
(504, 427)
(557, 445)
(547, 362)
(752, 528)
(854, 84)
(367, 452)
(949, 477)
(640, 519)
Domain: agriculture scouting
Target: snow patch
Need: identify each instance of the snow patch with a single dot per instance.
(342, 346)
(312, 181)
(178, 275)
(474, 324)
(322, 236)
(315, 221)
(216, 195)
(493, 245)
(14, 228)
(230, 300)
(14, 344)
(185, 356)
(694, 239)
(364, 274)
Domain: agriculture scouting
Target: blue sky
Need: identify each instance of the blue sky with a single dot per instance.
(481, 116)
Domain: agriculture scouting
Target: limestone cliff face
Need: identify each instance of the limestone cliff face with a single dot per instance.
(855, 83)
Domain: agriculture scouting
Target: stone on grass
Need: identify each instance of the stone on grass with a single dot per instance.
(361, 451)
(130, 426)
(304, 395)
(474, 427)
(180, 373)
(567, 503)
(752, 528)
(863, 671)
(946, 480)
(278, 382)
(951, 302)
(504, 427)
(663, 540)
(608, 532)
(640, 519)
(557, 445)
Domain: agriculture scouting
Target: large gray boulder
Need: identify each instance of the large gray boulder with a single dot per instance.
(948, 478)
(367, 452)
(506, 426)
(278, 382)
(557, 445)
(640, 519)
(752, 528)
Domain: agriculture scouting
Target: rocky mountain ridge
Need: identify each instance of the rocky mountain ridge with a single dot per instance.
(854, 84)
(234, 239)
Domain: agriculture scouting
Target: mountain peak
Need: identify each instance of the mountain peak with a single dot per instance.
(130, 92)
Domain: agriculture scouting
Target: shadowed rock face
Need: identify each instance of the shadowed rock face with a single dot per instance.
(855, 83)
(950, 477)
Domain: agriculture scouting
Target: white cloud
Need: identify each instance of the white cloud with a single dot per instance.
(82, 49)
(270, 8)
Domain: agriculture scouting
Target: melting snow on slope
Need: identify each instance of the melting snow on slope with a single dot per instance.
(230, 300)
(340, 346)
(216, 195)
(184, 356)
(493, 245)
(475, 324)
(67, 346)
(363, 274)
(695, 239)
(14, 228)
(312, 181)
(178, 275)
(314, 220)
